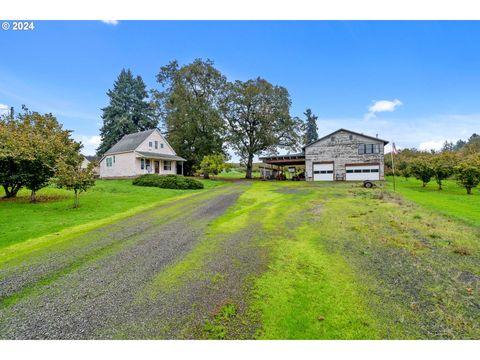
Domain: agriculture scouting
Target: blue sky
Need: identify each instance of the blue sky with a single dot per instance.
(420, 80)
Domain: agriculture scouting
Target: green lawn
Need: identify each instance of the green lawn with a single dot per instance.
(452, 200)
(107, 201)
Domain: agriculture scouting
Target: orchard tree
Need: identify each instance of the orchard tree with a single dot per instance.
(213, 164)
(467, 174)
(32, 145)
(73, 177)
(442, 165)
(422, 170)
(129, 110)
(259, 121)
(188, 105)
(311, 128)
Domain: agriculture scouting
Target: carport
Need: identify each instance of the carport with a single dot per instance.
(293, 162)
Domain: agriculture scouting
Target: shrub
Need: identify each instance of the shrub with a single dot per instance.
(167, 182)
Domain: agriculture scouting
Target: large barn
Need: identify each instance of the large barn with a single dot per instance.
(341, 155)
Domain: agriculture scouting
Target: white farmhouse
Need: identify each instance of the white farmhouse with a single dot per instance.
(144, 152)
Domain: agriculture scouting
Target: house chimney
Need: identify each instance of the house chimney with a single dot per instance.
(376, 135)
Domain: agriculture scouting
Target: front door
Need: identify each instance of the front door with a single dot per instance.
(157, 166)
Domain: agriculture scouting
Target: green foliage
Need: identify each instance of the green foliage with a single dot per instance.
(258, 118)
(32, 147)
(311, 133)
(422, 170)
(467, 174)
(168, 182)
(129, 110)
(188, 105)
(442, 165)
(213, 164)
(72, 177)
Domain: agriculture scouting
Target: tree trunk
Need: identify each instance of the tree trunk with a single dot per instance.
(248, 175)
(11, 192)
(206, 175)
(75, 201)
(33, 196)
(424, 184)
(469, 190)
(439, 185)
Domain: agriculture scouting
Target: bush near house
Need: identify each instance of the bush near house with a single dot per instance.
(168, 182)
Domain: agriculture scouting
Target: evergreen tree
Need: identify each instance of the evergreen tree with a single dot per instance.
(311, 128)
(129, 110)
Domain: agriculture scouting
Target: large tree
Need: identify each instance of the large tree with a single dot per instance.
(259, 121)
(129, 110)
(311, 128)
(31, 147)
(188, 105)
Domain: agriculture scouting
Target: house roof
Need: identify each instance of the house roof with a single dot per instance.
(283, 160)
(130, 142)
(385, 142)
(154, 155)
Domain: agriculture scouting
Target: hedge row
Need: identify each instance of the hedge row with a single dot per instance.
(167, 181)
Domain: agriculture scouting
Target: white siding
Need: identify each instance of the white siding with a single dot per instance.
(124, 166)
(156, 136)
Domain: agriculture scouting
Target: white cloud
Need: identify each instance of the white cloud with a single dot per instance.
(110, 22)
(381, 106)
(431, 145)
(90, 143)
(4, 109)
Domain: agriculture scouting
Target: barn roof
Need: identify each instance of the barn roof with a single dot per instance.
(385, 142)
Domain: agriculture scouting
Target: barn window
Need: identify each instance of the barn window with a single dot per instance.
(350, 137)
(357, 170)
(376, 148)
(332, 138)
(349, 171)
(361, 149)
(374, 170)
(366, 170)
(369, 149)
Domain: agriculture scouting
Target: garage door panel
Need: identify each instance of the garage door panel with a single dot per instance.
(362, 172)
(323, 172)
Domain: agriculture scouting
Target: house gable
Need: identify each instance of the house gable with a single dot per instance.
(352, 135)
(156, 143)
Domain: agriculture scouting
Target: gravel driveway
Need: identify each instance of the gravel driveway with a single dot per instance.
(89, 287)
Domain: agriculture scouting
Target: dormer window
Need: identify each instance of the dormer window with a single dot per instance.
(161, 145)
(156, 144)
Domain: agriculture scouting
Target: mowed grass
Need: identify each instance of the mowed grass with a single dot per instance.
(452, 201)
(107, 201)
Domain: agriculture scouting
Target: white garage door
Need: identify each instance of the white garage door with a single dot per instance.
(363, 172)
(323, 172)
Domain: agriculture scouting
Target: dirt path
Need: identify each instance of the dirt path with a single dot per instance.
(89, 288)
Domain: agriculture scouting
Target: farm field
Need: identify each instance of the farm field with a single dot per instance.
(263, 260)
(107, 201)
(452, 201)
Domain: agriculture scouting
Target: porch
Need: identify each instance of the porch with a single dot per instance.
(161, 164)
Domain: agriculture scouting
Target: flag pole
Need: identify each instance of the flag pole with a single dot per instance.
(393, 165)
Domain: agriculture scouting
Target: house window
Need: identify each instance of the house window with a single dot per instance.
(142, 164)
(167, 165)
(156, 144)
(150, 144)
(147, 164)
(109, 161)
(161, 145)
(114, 159)
(361, 149)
